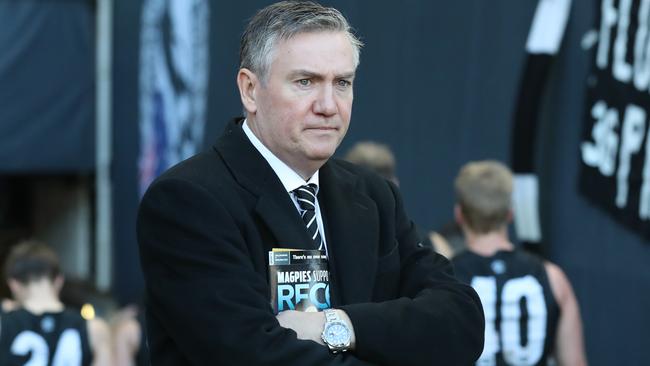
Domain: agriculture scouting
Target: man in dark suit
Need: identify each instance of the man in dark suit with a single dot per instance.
(205, 227)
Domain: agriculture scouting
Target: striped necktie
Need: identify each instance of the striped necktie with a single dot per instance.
(306, 196)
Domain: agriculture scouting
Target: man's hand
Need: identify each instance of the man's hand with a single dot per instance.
(309, 325)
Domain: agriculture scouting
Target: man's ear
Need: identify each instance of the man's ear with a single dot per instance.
(458, 215)
(248, 83)
(58, 283)
(15, 286)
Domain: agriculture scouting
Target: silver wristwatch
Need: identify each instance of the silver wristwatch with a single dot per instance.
(336, 334)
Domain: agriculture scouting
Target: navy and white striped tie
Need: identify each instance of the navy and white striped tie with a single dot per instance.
(306, 196)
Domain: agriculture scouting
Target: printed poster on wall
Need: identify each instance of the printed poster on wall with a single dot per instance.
(615, 148)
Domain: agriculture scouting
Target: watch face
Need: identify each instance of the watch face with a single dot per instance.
(337, 334)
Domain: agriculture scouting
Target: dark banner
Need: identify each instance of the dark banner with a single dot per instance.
(46, 86)
(615, 150)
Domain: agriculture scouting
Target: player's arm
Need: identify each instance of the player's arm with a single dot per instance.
(100, 342)
(126, 341)
(569, 342)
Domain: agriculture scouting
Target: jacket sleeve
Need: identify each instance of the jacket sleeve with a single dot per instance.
(204, 297)
(434, 320)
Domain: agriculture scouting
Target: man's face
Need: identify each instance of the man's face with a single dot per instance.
(302, 111)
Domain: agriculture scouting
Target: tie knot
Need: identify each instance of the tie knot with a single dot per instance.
(306, 196)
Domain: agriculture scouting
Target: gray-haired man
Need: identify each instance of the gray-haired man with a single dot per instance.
(206, 226)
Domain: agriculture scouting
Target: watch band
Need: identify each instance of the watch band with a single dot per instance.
(331, 315)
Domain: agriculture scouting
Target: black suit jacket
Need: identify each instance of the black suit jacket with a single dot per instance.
(205, 228)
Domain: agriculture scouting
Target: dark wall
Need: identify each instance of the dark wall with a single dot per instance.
(47, 86)
(437, 83)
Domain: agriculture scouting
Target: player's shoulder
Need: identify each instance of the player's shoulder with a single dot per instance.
(463, 254)
(17, 316)
(467, 257)
(555, 274)
(72, 316)
(527, 258)
(468, 264)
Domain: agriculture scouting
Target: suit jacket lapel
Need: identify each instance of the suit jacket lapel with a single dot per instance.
(353, 252)
(253, 173)
(287, 227)
(352, 232)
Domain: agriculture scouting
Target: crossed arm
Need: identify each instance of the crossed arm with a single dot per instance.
(309, 325)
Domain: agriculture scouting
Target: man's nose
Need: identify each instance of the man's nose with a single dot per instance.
(325, 103)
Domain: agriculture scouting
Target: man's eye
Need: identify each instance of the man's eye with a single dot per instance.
(344, 83)
(304, 82)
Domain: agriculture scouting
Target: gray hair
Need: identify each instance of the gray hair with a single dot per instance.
(282, 21)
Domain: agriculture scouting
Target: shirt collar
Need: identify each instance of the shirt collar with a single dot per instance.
(289, 178)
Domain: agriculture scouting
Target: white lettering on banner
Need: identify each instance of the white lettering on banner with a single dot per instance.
(639, 71)
(608, 19)
(602, 153)
(644, 199)
(622, 70)
(621, 104)
(631, 141)
(642, 49)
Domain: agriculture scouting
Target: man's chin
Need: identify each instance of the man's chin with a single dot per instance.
(321, 154)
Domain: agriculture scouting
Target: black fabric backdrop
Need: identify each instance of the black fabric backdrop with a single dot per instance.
(437, 83)
(47, 86)
(615, 151)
